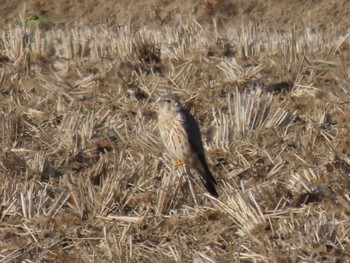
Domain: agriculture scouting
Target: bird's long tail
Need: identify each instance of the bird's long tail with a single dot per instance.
(209, 185)
(206, 176)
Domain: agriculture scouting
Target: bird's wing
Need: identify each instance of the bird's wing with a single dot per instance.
(194, 137)
(193, 132)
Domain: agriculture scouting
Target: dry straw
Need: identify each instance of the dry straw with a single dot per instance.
(83, 176)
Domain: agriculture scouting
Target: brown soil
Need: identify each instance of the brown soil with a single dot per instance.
(273, 14)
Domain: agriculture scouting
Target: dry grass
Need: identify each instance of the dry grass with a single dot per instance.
(83, 177)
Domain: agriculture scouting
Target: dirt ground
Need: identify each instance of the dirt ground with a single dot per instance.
(83, 173)
(275, 15)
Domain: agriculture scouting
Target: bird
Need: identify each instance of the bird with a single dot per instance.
(182, 139)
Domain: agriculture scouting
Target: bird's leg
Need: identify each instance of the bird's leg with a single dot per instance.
(178, 163)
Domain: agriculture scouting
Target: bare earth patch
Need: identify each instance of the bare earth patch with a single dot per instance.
(84, 177)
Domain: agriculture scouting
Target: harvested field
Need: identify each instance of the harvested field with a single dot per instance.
(83, 174)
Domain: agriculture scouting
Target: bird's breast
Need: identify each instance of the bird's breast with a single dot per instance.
(175, 138)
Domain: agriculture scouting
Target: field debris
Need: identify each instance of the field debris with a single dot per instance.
(84, 177)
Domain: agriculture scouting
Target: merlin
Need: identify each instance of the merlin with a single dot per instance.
(181, 136)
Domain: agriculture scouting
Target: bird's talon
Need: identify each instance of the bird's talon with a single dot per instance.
(178, 164)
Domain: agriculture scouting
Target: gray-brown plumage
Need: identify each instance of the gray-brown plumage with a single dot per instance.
(182, 138)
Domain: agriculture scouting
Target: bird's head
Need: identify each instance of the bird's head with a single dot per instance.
(169, 104)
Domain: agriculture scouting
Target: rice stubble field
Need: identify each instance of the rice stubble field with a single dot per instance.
(84, 176)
